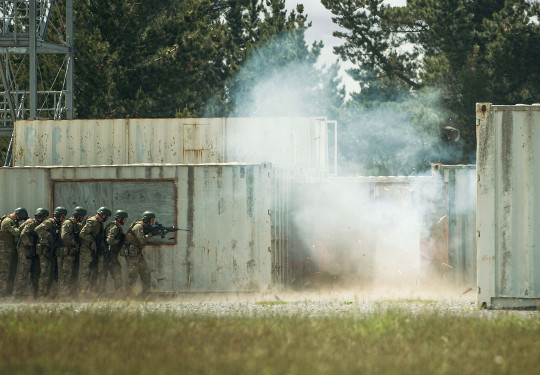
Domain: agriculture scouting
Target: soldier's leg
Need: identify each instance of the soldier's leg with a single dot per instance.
(12, 270)
(21, 280)
(116, 272)
(74, 281)
(45, 276)
(133, 272)
(52, 287)
(60, 265)
(85, 261)
(65, 274)
(144, 271)
(35, 271)
(5, 256)
(101, 270)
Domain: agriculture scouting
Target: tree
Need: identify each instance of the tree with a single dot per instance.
(472, 51)
(180, 57)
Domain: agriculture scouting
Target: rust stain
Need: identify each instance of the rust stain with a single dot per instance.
(196, 153)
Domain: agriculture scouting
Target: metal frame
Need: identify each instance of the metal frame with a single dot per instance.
(23, 26)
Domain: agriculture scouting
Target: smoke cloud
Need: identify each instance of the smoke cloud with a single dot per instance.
(354, 231)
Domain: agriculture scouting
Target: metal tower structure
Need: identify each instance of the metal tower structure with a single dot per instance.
(32, 48)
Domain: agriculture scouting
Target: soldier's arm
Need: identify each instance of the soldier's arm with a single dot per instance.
(112, 233)
(138, 230)
(11, 227)
(42, 230)
(87, 234)
(26, 236)
(66, 234)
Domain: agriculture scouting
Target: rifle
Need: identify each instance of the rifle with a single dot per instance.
(160, 229)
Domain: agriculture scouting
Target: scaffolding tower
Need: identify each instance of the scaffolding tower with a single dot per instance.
(28, 39)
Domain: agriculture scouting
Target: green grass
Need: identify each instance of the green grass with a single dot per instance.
(109, 341)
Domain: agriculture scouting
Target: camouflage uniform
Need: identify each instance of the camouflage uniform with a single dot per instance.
(136, 240)
(9, 235)
(115, 239)
(28, 259)
(49, 240)
(68, 253)
(92, 246)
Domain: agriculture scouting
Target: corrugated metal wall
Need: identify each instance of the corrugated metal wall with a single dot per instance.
(227, 207)
(285, 141)
(508, 205)
(287, 268)
(460, 210)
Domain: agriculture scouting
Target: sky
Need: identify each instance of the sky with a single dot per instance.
(322, 28)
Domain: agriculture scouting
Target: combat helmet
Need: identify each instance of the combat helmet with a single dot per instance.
(147, 216)
(41, 212)
(121, 214)
(59, 211)
(104, 211)
(79, 211)
(21, 213)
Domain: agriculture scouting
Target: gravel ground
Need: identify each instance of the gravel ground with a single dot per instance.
(333, 303)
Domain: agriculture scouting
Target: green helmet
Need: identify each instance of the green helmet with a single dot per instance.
(121, 214)
(59, 211)
(147, 215)
(21, 213)
(104, 211)
(41, 212)
(79, 211)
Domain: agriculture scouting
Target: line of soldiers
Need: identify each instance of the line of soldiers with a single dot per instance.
(78, 253)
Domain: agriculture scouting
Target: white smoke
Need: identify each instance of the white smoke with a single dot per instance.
(353, 230)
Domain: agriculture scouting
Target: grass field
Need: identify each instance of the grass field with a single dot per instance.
(266, 337)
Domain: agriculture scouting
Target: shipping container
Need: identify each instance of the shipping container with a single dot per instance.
(508, 205)
(227, 207)
(289, 141)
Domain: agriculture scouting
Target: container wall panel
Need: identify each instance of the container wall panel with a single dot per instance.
(69, 142)
(289, 141)
(508, 205)
(24, 187)
(460, 210)
(227, 208)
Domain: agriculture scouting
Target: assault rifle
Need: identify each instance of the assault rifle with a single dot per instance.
(160, 229)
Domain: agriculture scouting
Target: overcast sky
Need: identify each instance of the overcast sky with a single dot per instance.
(322, 28)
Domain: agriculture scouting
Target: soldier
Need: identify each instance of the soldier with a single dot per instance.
(9, 235)
(67, 258)
(115, 240)
(49, 241)
(92, 248)
(137, 237)
(28, 259)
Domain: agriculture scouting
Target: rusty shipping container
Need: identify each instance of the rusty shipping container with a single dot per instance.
(238, 215)
(508, 205)
(289, 141)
